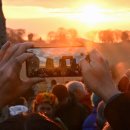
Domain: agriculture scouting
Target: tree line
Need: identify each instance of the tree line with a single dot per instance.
(71, 35)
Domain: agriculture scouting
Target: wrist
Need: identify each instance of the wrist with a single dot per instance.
(110, 94)
(110, 91)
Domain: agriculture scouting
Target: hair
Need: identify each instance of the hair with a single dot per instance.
(73, 86)
(124, 85)
(60, 91)
(45, 97)
(53, 82)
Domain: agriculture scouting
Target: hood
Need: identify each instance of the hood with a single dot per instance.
(15, 110)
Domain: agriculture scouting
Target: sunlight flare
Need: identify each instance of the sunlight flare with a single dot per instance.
(91, 15)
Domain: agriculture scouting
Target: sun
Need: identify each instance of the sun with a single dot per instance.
(90, 14)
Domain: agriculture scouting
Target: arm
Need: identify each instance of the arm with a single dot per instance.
(96, 74)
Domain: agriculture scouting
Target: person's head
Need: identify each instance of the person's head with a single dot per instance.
(61, 93)
(45, 103)
(124, 84)
(76, 89)
(53, 82)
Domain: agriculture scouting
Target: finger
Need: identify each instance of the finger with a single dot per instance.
(4, 49)
(5, 46)
(23, 57)
(22, 48)
(18, 61)
(14, 51)
(11, 50)
(32, 81)
(107, 64)
(84, 64)
(96, 58)
(85, 69)
(95, 55)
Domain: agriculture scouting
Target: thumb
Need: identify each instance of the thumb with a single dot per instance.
(32, 81)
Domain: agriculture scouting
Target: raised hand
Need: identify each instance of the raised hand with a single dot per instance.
(97, 75)
(11, 59)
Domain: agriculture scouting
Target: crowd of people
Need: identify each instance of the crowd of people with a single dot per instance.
(95, 103)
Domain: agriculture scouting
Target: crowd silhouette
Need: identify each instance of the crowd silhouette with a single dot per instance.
(95, 102)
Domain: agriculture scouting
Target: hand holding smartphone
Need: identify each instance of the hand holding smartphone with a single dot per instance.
(55, 61)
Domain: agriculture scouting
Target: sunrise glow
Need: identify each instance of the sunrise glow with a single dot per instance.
(83, 16)
(90, 14)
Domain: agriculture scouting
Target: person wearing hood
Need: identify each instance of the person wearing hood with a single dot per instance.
(90, 121)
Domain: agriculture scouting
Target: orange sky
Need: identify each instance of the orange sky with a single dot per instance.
(42, 16)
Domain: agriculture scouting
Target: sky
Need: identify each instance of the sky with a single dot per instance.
(42, 16)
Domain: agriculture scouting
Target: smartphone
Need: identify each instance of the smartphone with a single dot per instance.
(55, 61)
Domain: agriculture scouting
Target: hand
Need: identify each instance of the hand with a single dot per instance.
(11, 59)
(128, 74)
(124, 83)
(97, 75)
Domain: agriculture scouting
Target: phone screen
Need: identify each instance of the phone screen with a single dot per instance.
(55, 62)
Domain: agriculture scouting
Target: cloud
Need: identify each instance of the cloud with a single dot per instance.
(29, 12)
(44, 3)
(67, 3)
